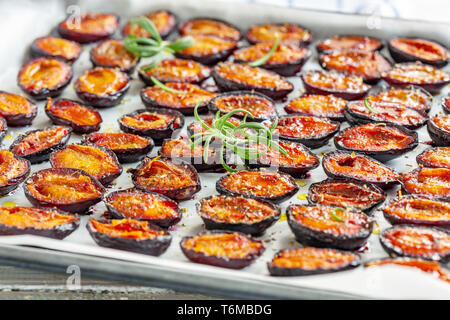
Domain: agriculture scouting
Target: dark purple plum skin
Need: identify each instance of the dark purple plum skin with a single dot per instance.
(20, 120)
(14, 182)
(440, 137)
(83, 37)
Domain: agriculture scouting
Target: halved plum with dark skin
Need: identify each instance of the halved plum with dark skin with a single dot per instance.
(416, 49)
(147, 206)
(37, 145)
(210, 27)
(379, 141)
(337, 84)
(89, 27)
(346, 193)
(175, 70)
(313, 132)
(287, 60)
(434, 182)
(308, 260)
(317, 105)
(236, 213)
(287, 33)
(44, 77)
(16, 110)
(102, 87)
(13, 171)
(130, 235)
(237, 76)
(438, 128)
(225, 249)
(74, 114)
(435, 158)
(412, 97)
(329, 227)
(349, 42)
(175, 179)
(258, 184)
(40, 222)
(446, 103)
(155, 97)
(195, 127)
(365, 64)
(421, 242)
(100, 162)
(127, 147)
(55, 47)
(113, 54)
(164, 21)
(67, 189)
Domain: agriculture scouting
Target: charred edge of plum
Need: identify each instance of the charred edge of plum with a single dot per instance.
(44, 154)
(77, 128)
(255, 228)
(20, 119)
(81, 206)
(301, 43)
(320, 51)
(275, 270)
(275, 199)
(158, 135)
(96, 63)
(446, 103)
(422, 161)
(369, 186)
(85, 37)
(321, 239)
(37, 52)
(212, 19)
(231, 263)
(14, 182)
(210, 59)
(440, 137)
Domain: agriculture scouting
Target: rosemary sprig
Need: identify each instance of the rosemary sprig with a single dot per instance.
(162, 86)
(368, 106)
(267, 56)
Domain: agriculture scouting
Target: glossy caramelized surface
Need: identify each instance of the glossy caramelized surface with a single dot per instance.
(296, 155)
(117, 140)
(74, 112)
(92, 23)
(287, 33)
(196, 127)
(66, 49)
(303, 127)
(148, 120)
(442, 122)
(11, 167)
(335, 81)
(192, 94)
(435, 158)
(205, 45)
(421, 48)
(413, 98)
(257, 105)
(112, 53)
(283, 54)
(210, 27)
(180, 148)
(349, 42)
(179, 70)
(127, 228)
(428, 181)
(40, 140)
(13, 104)
(163, 20)
(317, 105)
(27, 217)
(101, 81)
(44, 73)
(416, 73)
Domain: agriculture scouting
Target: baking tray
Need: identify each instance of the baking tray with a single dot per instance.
(172, 269)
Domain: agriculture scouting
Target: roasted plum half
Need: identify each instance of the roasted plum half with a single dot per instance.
(89, 27)
(287, 60)
(164, 21)
(379, 141)
(148, 206)
(159, 124)
(40, 222)
(337, 84)
(174, 179)
(67, 189)
(102, 87)
(74, 114)
(433, 182)
(225, 249)
(258, 184)
(417, 74)
(175, 70)
(421, 242)
(317, 105)
(236, 213)
(195, 127)
(412, 97)
(16, 110)
(55, 47)
(311, 131)
(286, 33)
(44, 77)
(330, 227)
(308, 260)
(439, 130)
(100, 162)
(237, 76)
(13, 171)
(384, 112)
(416, 49)
(113, 54)
(127, 147)
(346, 193)
(37, 145)
(155, 97)
(435, 158)
(365, 64)
(349, 43)
(210, 27)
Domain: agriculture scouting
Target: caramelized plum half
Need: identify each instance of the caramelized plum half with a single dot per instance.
(164, 21)
(287, 33)
(67, 189)
(412, 97)
(41, 222)
(337, 84)
(127, 147)
(435, 158)
(309, 260)
(438, 128)
(416, 242)
(13, 171)
(16, 110)
(148, 206)
(330, 227)
(112, 54)
(210, 27)
(433, 182)
(56, 47)
(44, 77)
(416, 49)
(349, 43)
(378, 141)
(258, 184)
(102, 87)
(155, 97)
(236, 76)
(195, 127)
(37, 145)
(174, 179)
(74, 114)
(89, 27)
(225, 249)
(99, 162)
(317, 105)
